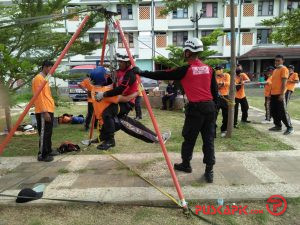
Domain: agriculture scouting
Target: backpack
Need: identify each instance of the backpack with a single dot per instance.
(67, 146)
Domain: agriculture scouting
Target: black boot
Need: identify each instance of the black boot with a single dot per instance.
(184, 167)
(106, 145)
(209, 174)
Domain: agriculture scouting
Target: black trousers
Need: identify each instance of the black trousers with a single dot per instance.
(288, 95)
(244, 107)
(199, 118)
(108, 129)
(138, 107)
(135, 129)
(89, 115)
(171, 100)
(120, 121)
(222, 105)
(279, 112)
(45, 133)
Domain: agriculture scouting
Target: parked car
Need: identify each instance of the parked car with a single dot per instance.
(149, 84)
(75, 92)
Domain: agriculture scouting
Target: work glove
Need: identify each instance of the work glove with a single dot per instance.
(136, 70)
(99, 96)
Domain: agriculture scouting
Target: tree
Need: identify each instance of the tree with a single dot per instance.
(232, 73)
(176, 53)
(28, 39)
(286, 28)
(176, 58)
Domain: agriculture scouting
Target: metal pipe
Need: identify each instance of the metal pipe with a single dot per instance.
(58, 61)
(153, 34)
(154, 122)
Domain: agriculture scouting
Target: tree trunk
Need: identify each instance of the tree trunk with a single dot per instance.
(232, 72)
(7, 117)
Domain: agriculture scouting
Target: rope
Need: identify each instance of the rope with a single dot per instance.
(165, 193)
(229, 102)
(146, 180)
(168, 195)
(175, 64)
(89, 201)
(32, 20)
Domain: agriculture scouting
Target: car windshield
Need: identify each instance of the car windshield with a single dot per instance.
(149, 82)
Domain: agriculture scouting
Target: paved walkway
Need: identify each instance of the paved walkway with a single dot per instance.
(257, 116)
(238, 175)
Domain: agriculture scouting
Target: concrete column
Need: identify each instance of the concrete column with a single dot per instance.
(258, 68)
(251, 66)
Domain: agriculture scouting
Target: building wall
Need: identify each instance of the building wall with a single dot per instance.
(165, 26)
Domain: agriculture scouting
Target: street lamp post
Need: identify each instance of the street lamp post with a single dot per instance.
(196, 19)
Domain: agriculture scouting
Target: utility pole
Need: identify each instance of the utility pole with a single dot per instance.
(196, 20)
(232, 72)
(239, 27)
(152, 34)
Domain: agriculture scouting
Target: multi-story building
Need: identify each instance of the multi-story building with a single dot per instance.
(143, 22)
(254, 49)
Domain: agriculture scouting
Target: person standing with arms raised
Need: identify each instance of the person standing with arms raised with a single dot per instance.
(200, 86)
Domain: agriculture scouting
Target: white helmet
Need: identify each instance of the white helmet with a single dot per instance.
(123, 57)
(194, 45)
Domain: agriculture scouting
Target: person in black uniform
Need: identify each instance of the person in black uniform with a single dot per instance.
(170, 95)
(126, 85)
(115, 116)
(199, 83)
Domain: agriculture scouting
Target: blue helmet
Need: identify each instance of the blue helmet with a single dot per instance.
(98, 76)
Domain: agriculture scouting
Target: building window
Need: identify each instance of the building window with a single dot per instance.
(263, 36)
(129, 38)
(179, 38)
(210, 9)
(180, 13)
(205, 33)
(265, 7)
(125, 11)
(293, 4)
(96, 38)
(74, 10)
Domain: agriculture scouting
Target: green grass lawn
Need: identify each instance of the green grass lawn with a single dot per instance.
(246, 138)
(78, 214)
(256, 99)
